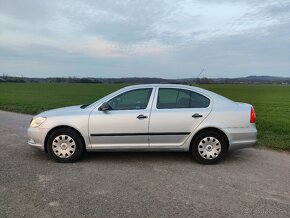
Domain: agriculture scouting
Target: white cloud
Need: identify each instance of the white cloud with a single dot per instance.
(168, 37)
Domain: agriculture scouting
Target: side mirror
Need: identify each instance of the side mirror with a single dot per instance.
(104, 107)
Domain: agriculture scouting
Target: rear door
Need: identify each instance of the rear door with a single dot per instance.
(175, 114)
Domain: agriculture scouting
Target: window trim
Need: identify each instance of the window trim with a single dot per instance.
(176, 88)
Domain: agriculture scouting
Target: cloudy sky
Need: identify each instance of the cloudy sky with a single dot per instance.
(126, 38)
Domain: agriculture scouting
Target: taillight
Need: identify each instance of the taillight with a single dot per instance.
(253, 115)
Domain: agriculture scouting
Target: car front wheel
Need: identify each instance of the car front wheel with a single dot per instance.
(65, 145)
(209, 147)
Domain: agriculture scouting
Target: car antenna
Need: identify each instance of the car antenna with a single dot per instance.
(198, 75)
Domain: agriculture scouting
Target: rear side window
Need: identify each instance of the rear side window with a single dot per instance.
(198, 101)
(180, 98)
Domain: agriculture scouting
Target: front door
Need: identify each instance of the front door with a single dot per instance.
(125, 123)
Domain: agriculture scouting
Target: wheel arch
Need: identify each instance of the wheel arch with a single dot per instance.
(211, 129)
(60, 127)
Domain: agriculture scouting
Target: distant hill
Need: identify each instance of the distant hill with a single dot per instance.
(146, 80)
(253, 79)
(262, 78)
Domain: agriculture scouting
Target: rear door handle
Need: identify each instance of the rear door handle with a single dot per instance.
(141, 116)
(197, 115)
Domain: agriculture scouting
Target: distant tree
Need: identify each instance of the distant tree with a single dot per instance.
(204, 80)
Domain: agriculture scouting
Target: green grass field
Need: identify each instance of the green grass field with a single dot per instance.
(271, 102)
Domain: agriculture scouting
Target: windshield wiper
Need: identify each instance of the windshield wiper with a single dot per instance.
(84, 106)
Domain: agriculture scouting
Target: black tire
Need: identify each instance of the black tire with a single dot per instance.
(201, 144)
(72, 142)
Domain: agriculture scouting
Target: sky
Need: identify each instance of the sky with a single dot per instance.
(148, 38)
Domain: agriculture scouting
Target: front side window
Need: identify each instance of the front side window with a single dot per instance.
(131, 100)
(179, 98)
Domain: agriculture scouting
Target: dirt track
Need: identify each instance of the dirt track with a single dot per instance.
(250, 182)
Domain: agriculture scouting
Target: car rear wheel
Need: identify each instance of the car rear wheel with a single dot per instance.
(209, 147)
(65, 145)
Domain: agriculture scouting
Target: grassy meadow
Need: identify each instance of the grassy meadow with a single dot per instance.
(32, 98)
(271, 102)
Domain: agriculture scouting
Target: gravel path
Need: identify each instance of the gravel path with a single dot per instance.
(249, 183)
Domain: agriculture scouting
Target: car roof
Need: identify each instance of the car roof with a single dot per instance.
(167, 85)
(163, 85)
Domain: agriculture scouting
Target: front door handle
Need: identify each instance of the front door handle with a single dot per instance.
(197, 115)
(141, 116)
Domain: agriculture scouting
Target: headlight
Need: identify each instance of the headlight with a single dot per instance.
(36, 122)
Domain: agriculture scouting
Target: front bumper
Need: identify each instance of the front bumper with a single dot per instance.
(36, 137)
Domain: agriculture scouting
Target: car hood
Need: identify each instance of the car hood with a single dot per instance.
(62, 111)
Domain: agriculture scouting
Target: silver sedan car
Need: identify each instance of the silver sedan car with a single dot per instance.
(156, 117)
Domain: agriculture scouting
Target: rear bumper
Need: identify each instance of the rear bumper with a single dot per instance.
(242, 137)
(36, 137)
